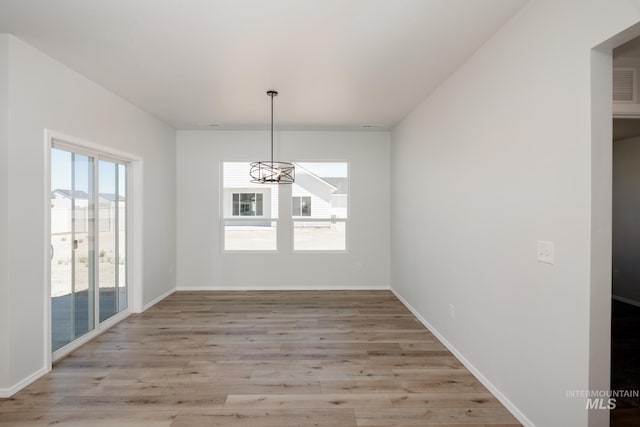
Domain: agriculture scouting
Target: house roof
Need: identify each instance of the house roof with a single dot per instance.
(77, 194)
(111, 197)
(340, 183)
(332, 188)
(83, 195)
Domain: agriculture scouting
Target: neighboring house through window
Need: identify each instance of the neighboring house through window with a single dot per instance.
(247, 204)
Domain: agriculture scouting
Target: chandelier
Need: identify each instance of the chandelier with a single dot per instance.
(272, 172)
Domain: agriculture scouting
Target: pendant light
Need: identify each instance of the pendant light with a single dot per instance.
(272, 172)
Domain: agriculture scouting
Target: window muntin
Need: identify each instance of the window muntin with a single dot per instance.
(301, 206)
(248, 204)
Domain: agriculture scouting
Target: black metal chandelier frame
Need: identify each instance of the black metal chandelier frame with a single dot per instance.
(270, 171)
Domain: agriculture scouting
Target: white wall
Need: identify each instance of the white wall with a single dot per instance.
(45, 94)
(201, 263)
(501, 154)
(4, 221)
(626, 211)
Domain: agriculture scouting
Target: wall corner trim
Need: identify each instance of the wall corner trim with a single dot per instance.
(157, 300)
(6, 393)
(476, 373)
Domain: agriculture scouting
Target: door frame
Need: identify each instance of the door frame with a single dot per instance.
(601, 114)
(134, 237)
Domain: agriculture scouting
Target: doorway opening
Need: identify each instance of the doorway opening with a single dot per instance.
(625, 277)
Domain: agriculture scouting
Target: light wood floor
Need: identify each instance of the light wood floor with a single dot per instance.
(344, 358)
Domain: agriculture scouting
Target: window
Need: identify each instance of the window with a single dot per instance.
(249, 211)
(325, 186)
(247, 204)
(319, 209)
(301, 206)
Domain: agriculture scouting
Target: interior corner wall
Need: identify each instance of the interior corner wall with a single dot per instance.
(501, 154)
(626, 210)
(4, 222)
(44, 94)
(203, 265)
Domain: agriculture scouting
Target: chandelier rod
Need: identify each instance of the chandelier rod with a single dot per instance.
(272, 93)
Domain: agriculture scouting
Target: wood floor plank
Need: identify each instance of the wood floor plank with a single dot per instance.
(258, 359)
(396, 417)
(464, 385)
(45, 402)
(260, 375)
(152, 402)
(444, 400)
(316, 401)
(271, 418)
(89, 417)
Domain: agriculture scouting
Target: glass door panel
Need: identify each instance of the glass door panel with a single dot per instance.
(72, 246)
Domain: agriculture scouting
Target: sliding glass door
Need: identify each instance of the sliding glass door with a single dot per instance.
(88, 242)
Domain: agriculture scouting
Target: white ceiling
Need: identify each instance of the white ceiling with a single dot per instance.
(336, 63)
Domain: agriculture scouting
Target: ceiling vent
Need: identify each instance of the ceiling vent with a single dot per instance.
(624, 85)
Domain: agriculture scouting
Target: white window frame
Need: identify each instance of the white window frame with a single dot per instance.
(246, 219)
(299, 219)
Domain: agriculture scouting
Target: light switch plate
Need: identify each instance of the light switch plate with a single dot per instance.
(545, 252)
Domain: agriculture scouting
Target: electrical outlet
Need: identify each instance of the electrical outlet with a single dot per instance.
(546, 252)
(452, 311)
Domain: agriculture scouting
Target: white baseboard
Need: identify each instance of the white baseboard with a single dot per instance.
(626, 300)
(157, 300)
(8, 392)
(283, 288)
(476, 373)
